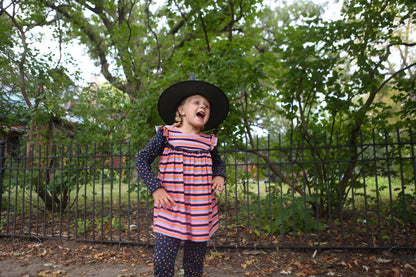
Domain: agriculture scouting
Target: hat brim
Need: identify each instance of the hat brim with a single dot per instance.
(173, 95)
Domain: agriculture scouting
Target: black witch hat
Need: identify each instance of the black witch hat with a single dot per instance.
(171, 97)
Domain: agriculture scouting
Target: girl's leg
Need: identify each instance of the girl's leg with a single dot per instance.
(166, 249)
(193, 258)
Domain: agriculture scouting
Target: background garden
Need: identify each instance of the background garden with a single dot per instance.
(319, 142)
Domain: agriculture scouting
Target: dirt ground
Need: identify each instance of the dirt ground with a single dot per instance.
(24, 257)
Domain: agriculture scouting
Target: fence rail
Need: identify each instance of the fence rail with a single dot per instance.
(284, 193)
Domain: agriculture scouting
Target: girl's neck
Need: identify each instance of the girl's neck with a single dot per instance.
(189, 129)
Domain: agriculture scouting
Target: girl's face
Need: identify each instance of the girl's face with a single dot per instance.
(195, 111)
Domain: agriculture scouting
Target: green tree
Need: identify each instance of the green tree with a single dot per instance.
(286, 71)
(141, 50)
(327, 76)
(35, 85)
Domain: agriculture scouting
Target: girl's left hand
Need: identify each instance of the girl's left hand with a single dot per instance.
(218, 184)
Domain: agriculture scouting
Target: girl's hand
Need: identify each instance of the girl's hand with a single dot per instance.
(218, 184)
(162, 198)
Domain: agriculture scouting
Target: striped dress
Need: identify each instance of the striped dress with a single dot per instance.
(186, 167)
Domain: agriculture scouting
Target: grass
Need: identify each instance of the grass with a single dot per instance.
(114, 205)
(120, 193)
(382, 188)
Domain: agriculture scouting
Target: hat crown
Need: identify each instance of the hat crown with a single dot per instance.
(192, 77)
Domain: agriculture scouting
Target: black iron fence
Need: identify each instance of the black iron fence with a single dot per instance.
(315, 192)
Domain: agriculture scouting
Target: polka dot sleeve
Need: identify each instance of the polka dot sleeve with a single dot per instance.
(153, 149)
(218, 166)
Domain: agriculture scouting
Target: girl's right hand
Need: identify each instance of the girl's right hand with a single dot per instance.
(162, 198)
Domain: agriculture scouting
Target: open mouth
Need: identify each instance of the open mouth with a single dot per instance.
(200, 114)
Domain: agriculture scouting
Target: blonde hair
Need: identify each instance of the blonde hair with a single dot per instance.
(178, 116)
(178, 120)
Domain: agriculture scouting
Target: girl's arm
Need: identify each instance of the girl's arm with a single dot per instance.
(218, 171)
(145, 159)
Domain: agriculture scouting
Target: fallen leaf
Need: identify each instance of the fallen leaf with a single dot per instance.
(356, 263)
(252, 252)
(326, 258)
(408, 266)
(44, 273)
(314, 254)
(250, 262)
(43, 252)
(82, 248)
(396, 272)
(383, 261)
(58, 272)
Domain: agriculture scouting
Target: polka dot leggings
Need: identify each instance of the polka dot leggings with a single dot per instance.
(166, 249)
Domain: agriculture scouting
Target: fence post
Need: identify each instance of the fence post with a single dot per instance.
(2, 144)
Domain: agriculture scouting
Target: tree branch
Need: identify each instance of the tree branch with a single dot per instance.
(394, 75)
(155, 36)
(205, 32)
(22, 61)
(86, 28)
(408, 44)
(263, 156)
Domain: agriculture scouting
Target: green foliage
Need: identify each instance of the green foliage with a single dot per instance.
(405, 207)
(81, 225)
(280, 214)
(391, 197)
(289, 73)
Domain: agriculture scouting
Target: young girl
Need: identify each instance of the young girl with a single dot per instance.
(190, 173)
